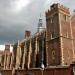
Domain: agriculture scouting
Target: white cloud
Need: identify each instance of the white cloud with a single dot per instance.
(2, 47)
(16, 16)
(18, 5)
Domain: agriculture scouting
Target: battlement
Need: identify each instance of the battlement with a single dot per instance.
(55, 7)
(60, 7)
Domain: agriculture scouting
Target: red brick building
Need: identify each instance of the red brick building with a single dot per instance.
(6, 58)
(51, 47)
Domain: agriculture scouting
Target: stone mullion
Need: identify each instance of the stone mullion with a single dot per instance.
(8, 61)
(42, 51)
(36, 46)
(34, 54)
(23, 59)
(29, 55)
(18, 57)
(11, 62)
(5, 61)
(24, 56)
(36, 50)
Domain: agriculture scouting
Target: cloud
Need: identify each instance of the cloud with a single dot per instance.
(15, 18)
(69, 4)
(13, 25)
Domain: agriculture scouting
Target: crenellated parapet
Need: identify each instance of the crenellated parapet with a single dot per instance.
(57, 8)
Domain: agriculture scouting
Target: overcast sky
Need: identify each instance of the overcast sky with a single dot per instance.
(16, 16)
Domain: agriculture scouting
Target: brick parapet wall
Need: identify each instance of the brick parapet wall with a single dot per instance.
(47, 71)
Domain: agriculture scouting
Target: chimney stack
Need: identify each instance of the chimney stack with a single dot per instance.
(7, 47)
(27, 34)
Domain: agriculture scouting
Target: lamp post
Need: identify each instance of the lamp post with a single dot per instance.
(42, 68)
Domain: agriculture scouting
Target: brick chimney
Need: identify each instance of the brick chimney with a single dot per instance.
(27, 34)
(7, 47)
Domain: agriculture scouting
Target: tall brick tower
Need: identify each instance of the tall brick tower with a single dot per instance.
(59, 46)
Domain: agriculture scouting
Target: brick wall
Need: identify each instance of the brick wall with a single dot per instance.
(6, 72)
(57, 71)
(48, 71)
(67, 50)
(54, 52)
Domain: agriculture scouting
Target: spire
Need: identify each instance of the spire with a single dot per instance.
(40, 23)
